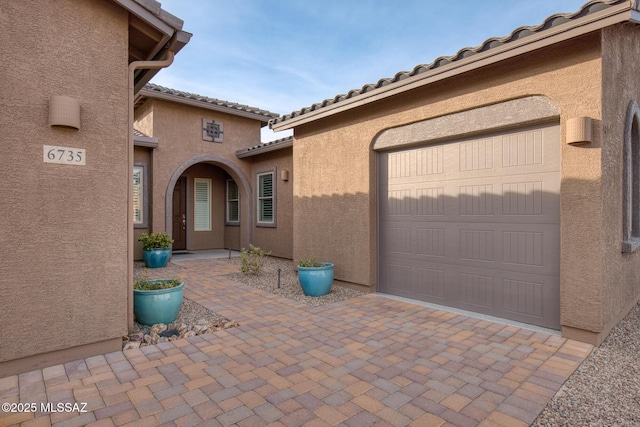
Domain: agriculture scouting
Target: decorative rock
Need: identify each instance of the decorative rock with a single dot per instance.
(131, 345)
(137, 336)
(158, 328)
(192, 320)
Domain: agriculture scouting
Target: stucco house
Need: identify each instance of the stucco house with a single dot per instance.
(69, 73)
(202, 175)
(502, 179)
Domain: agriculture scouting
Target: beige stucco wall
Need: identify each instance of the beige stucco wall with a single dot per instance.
(335, 179)
(181, 151)
(178, 129)
(143, 118)
(64, 238)
(278, 240)
(621, 272)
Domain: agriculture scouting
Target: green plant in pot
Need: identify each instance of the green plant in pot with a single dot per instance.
(315, 277)
(156, 249)
(157, 300)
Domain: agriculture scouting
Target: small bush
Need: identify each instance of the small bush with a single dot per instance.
(251, 261)
(155, 241)
(149, 285)
(310, 262)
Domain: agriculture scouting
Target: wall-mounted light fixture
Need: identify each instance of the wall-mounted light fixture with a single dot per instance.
(64, 111)
(284, 175)
(579, 130)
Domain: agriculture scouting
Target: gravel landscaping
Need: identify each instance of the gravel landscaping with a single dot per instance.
(605, 389)
(267, 280)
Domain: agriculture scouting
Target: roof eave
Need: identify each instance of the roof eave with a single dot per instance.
(250, 152)
(173, 37)
(145, 141)
(625, 12)
(199, 104)
(178, 41)
(168, 28)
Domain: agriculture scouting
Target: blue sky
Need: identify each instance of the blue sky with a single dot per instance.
(283, 55)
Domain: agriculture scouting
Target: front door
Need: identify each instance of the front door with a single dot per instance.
(180, 214)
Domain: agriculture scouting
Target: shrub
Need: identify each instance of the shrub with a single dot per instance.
(310, 262)
(251, 261)
(155, 241)
(154, 285)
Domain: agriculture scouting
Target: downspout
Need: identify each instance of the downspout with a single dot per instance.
(136, 65)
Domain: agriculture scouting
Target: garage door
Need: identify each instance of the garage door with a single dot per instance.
(475, 224)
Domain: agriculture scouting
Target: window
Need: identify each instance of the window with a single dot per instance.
(266, 199)
(139, 199)
(631, 180)
(202, 205)
(233, 202)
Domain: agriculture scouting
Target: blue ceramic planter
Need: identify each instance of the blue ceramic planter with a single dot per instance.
(316, 281)
(161, 306)
(156, 258)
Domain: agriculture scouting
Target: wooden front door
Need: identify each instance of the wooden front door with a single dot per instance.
(180, 214)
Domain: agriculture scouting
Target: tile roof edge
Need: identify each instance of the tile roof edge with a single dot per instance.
(278, 144)
(141, 139)
(153, 10)
(443, 64)
(153, 90)
(156, 9)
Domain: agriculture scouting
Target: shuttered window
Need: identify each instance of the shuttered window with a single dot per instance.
(138, 195)
(202, 205)
(266, 199)
(233, 202)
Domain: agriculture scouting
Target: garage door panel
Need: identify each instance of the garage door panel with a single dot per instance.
(426, 282)
(532, 299)
(475, 224)
(529, 298)
(509, 247)
(516, 199)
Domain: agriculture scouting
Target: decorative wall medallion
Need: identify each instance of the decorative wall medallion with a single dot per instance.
(212, 130)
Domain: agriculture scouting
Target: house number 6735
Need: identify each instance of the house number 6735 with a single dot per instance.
(64, 155)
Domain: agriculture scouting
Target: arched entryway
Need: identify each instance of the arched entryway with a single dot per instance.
(199, 197)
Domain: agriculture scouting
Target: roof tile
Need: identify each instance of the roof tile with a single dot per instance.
(213, 101)
(491, 43)
(265, 147)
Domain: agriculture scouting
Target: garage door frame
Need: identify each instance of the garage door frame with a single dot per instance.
(467, 126)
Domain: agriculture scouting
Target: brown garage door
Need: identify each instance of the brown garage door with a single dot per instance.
(475, 224)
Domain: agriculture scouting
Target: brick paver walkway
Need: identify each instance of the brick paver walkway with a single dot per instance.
(366, 361)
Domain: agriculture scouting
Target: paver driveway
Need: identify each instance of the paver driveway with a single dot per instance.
(366, 361)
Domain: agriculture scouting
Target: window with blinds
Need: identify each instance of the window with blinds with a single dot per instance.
(266, 198)
(202, 204)
(138, 195)
(233, 202)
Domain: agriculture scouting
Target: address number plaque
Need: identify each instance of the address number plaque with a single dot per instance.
(64, 155)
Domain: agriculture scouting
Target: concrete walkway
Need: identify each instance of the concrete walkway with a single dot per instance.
(366, 361)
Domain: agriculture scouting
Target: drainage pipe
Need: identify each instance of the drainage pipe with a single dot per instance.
(136, 65)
